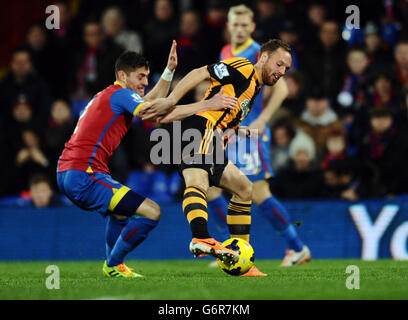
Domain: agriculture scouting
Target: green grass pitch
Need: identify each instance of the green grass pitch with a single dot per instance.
(194, 279)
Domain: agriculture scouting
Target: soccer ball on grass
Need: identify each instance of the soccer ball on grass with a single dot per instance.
(246, 257)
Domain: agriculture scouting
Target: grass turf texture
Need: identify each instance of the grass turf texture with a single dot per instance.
(193, 279)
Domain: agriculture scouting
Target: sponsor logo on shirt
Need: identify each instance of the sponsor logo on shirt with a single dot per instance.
(221, 71)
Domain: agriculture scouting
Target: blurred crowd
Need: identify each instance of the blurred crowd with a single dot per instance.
(342, 132)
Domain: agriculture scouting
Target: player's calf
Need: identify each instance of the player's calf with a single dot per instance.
(239, 218)
(195, 210)
(239, 208)
(137, 229)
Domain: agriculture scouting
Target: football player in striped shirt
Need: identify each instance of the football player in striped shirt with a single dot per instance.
(256, 164)
(83, 174)
(202, 168)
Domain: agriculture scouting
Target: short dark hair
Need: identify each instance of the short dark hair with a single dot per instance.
(37, 178)
(21, 49)
(357, 48)
(403, 40)
(128, 61)
(285, 124)
(380, 112)
(273, 45)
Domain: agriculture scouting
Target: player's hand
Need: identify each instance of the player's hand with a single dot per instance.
(172, 61)
(221, 101)
(156, 108)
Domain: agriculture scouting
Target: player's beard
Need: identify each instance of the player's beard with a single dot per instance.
(266, 79)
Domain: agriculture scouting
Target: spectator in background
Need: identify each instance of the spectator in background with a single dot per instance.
(30, 157)
(22, 80)
(94, 63)
(383, 91)
(301, 179)
(351, 97)
(401, 62)
(282, 135)
(191, 43)
(45, 59)
(289, 34)
(386, 148)
(335, 147)
(65, 37)
(316, 16)
(114, 25)
(337, 178)
(268, 20)
(67, 41)
(295, 101)
(159, 31)
(215, 19)
(22, 115)
(42, 193)
(6, 162)
(22, 118)
(60, 128)
(324, 64)
(402, 118)
(379, 54)
(389, 26)
(345, 179)
(318, 119)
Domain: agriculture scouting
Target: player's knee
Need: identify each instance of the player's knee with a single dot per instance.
(260, 192)
(196, 178)
(201, 186)
(155, 211)
(256, 199)
(213, 193)
(149, 209)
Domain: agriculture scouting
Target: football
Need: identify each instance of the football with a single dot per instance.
(246, 257)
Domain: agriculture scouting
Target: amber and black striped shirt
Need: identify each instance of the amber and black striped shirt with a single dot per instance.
(239, 78)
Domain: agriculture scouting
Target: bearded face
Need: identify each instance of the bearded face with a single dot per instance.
(275, 65)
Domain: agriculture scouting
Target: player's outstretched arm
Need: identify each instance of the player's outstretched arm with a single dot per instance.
(163, 106)
(161, 89)
(279, 94)
(217, 102)
(189, 82)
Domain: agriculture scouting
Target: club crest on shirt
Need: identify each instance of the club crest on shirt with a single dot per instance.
(244, 107)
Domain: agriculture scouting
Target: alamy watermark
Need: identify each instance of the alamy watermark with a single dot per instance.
(208, 147)
(53, 20)
(353, 280)
(53, 280)
(353, 20)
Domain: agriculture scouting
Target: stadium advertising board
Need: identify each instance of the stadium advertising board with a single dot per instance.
(368, 230)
